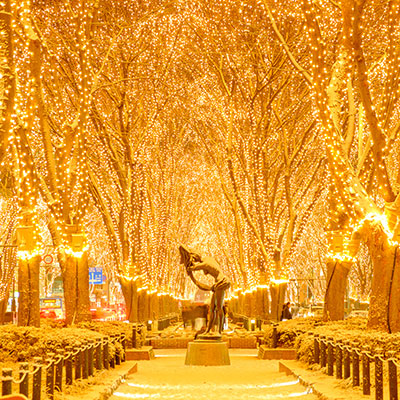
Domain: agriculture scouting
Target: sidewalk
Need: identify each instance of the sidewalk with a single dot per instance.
(167, 377)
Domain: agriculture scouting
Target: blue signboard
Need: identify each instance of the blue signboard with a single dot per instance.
(96, 275)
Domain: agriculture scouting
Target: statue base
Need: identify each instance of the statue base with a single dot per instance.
(208, 350)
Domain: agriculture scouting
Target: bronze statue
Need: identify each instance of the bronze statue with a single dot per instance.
(193, 261)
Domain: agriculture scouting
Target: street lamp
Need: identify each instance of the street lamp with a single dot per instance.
(25, 242)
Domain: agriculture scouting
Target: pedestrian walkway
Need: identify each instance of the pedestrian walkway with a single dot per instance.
(247, 378)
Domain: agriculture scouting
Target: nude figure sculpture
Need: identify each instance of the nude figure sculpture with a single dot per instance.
(194, 261)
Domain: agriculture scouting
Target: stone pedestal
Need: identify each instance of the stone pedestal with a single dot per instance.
(266, 353)
(207, 350)
(144, 353)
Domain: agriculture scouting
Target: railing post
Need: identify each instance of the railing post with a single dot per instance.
(117, 352)
(378, 375)
(139, 336)
(346, 361)
(322, 351)
(123, 341)
(6, 387)
(275, 336)
(339, 359)
(50, 376)
(90, 356)
(134, 337)
(106, 361)
(366, 372)
(99, 357)
(356, 367)
(59, 370)
(85, 362)
(112, 359)
(78, 363)
(330, 356)
(393, 391)
(316, 349)
(37, 378)
(24, 378)
(69, 366)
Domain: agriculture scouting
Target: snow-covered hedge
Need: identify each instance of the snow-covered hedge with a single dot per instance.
(295, 333)
(19, 343)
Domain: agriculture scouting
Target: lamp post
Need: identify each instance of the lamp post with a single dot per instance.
(28, 280)
(78, 242)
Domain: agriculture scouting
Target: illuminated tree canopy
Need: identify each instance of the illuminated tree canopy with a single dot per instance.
(264, 133)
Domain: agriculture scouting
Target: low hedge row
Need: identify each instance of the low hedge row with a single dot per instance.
(18, 343)
(295, 334)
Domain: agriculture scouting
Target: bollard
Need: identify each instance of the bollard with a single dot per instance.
(6, 377)
(99, 357)
(59, 370)
(37, 378)
(24, 378)
(85, 362)
(322, 352)
(50, 377)
(275, 336)
(90, 356)
(330, 357)
(346, 361)
(106, 362)
(393, 391)
(339, 359)
(378, 375)
(78, 363)
(366, 373)
(356, 367)
(316, 349)
(69, 366)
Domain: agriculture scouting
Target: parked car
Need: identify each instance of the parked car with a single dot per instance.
(103, 314)
(358, 313)
(48, 313)
(317, 311)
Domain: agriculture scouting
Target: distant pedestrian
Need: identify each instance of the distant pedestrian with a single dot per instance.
(286, 314)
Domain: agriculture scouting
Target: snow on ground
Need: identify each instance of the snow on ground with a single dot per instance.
(167, 377)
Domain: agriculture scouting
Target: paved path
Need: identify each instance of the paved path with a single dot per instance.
(247, 378)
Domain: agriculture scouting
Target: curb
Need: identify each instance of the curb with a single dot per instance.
(321, 385)
(107, 393)
(288, 371)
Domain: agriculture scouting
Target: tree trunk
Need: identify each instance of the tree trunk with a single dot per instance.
(277, 291)
(247, 304)
(129, 290)
(335, 290)
(241, 303)
(75, 271)
(28, 288)
(3, 308)
(384, 308)
(142, 306)
(154, 307)
(262, 303)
